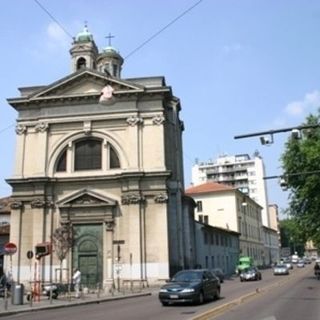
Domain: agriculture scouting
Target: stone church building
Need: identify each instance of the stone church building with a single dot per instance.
(102, 155)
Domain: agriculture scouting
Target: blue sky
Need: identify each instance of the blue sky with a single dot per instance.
(238, 66)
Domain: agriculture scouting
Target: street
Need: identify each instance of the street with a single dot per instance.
(296, 298)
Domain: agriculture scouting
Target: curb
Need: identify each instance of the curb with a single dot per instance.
(71, 304)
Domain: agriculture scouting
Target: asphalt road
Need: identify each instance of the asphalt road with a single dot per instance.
(297, 299)
(145, 308)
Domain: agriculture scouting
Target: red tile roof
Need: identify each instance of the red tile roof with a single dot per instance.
(208, 187)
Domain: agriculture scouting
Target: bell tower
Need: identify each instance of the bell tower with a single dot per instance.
(83, 51)
(110, 60)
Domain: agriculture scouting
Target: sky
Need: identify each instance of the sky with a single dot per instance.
(237, 66)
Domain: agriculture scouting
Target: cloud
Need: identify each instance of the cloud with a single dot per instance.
(233, 48)
(309, 103)
(56, 37)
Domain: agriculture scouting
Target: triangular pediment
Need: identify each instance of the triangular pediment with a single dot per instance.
(85, 198)
(87, 82)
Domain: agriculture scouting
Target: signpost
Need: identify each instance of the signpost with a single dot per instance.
(10, 248)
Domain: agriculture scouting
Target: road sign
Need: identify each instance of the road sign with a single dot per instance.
(10, 248)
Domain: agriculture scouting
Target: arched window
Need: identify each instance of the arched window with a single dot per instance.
(81, 63)
(114, 160)
(62, 162)
(88, 155)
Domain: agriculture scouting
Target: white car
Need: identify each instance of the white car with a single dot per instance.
(280, 269)
(300, 264)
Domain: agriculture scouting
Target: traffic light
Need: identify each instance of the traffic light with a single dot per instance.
(283, 183)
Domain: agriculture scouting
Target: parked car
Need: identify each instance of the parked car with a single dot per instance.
(251, 273)
(190, 286)
(300, 264)
(218, 273)
(4, 284)
(280, 269)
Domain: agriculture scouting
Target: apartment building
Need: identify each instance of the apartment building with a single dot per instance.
(240, 171)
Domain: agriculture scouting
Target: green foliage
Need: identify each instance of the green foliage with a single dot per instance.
(292, 235)
(301, 164)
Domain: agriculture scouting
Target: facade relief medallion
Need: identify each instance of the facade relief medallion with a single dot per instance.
(20, 129)
(161, 198)
(39, 203)
(134, 120)
(158, 119)
(41, 127)
(132, 199)
(16, 205)
(110, 225)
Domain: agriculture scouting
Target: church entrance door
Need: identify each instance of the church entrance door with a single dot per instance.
(88, 265)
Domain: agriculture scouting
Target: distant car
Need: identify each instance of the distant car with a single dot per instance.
(251, 273)
(190, 286)
(288, 263)
(300, 264)
(307, 260)
(280, 269)
(218, 273)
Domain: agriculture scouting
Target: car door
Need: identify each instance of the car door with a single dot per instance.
(209, 284)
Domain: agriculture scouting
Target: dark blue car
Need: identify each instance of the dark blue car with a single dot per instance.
(190, 286)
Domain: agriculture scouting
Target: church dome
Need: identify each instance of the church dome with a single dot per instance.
(111, 52)
(84, 36)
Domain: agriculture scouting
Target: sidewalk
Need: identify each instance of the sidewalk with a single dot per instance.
(7, 308)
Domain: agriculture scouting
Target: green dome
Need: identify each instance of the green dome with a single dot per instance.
(84, 36)
(110, 49)
(111, 52)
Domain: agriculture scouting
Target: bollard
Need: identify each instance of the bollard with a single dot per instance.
(69, 292)
(50, 296)
(5, 298)
(98, 290)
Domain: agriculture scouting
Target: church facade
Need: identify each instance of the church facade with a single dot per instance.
(101, 155)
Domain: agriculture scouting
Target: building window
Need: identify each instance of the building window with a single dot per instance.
(62, 162)
(115, 70)
(114, 159)
(199, 206)
(200, 216)
(81, 63)
(88, 155)
(212, 261)
(205, 237)
(205, 219)
(207, 262)
(217, 239)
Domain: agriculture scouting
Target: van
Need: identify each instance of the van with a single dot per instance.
(244, 263)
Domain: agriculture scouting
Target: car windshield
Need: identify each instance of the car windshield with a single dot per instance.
(188, 276)
(281, 266)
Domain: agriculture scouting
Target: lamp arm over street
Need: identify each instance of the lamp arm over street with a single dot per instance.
(271, 132)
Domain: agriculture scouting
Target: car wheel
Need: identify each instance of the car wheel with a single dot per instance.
(200, 298)
(241, 280)
(165, 303)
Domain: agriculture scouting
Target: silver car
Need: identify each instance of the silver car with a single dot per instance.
(280, 269)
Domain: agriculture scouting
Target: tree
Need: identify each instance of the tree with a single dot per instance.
(292, 235)
(63, 239)
(301, 164)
